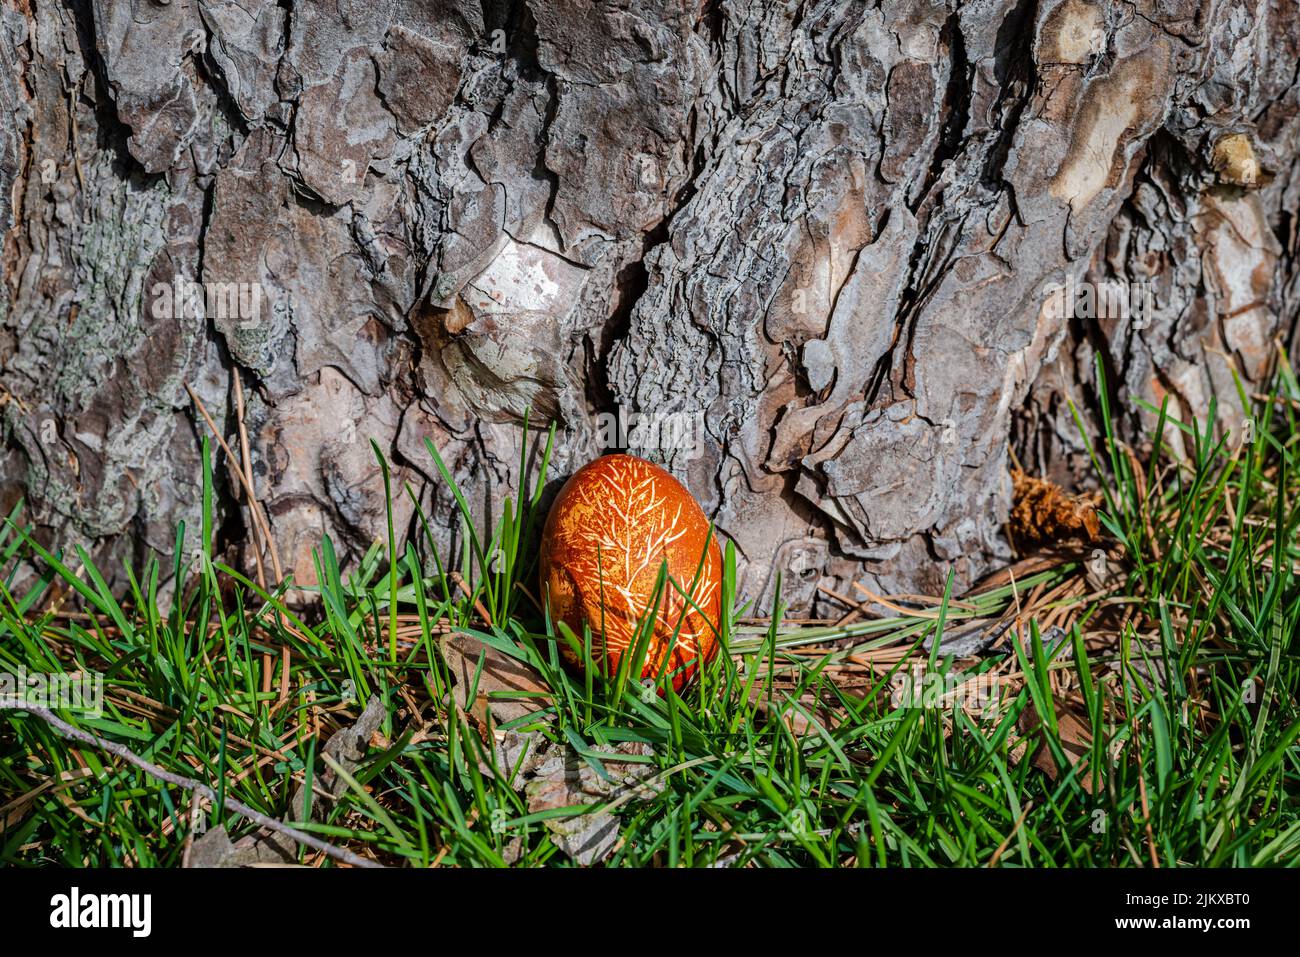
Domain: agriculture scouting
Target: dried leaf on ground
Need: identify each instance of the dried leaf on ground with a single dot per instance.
(563, 779)
(506, 686)
(1076, 742)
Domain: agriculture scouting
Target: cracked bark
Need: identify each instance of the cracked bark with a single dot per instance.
(830, 228)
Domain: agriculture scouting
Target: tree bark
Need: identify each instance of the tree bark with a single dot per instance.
(830, 233)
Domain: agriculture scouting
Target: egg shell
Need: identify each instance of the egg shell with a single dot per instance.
(610, 529)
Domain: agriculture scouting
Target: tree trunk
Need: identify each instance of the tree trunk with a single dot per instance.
(815, 250)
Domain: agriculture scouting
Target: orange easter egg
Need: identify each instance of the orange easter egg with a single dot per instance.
(613, 525)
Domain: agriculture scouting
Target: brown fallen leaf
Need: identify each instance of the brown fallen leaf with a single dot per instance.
(506, 686)
(1076, 742)
(1043, 512)
(562, 779)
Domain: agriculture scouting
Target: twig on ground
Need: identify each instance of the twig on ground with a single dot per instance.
(189, 784)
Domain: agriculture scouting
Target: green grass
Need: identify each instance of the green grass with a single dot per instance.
(1163, 729)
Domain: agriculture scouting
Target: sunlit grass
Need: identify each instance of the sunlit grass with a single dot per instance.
(1161, 730)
